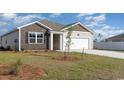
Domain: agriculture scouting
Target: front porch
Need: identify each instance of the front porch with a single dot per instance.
(56, 41)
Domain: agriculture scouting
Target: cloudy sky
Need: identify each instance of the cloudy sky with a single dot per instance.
(106, 24)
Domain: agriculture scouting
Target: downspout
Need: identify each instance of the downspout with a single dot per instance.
(19, 39)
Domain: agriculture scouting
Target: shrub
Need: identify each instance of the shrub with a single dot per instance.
(14, 67)
(10, 69)
(2, 48)
(8, 48)
(22, 49)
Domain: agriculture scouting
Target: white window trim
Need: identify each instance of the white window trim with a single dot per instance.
(35, 37)
(34, 23)
(40, 38)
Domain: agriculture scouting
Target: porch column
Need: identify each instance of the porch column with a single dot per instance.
(61, 41)
(51, 41)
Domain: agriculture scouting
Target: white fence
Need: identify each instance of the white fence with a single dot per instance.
(109, 45)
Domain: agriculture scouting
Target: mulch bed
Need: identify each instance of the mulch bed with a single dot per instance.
(24, 72)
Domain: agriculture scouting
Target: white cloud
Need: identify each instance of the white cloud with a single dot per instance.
(98, 24)
(27, 18)
(8, 16)
(87, 18)
(81, 15)
(2, 24)
(55, 15)
(100, 18)
(108, 32)
(106, 27)
(96, 19)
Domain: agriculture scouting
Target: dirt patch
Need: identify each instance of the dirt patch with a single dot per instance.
(42, 55)
(24, 72)
(67, 58)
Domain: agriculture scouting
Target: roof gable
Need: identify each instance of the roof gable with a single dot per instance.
(77, 27)
(35, 23)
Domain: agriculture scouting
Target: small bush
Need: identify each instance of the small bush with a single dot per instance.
(46, 50)
(2, 48)
(14, 67)
(8, 48)
(22, 49)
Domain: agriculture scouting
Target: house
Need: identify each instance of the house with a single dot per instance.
(117, 38)
(111, 43)
(45, 34)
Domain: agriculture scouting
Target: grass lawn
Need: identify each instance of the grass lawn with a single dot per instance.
(88, 67)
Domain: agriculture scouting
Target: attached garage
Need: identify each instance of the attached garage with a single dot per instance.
(81, 37)
(79, 43)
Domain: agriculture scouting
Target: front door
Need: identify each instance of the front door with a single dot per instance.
(56, 41)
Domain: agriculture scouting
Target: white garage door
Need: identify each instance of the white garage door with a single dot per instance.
(79, 43)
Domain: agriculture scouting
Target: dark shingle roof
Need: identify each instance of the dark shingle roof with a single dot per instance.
(53, 25)
(120, 36)
(14, 30)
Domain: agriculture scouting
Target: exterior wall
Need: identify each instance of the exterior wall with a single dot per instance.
(24, 37)
(9, 40)
(79, 34)
(109, 45)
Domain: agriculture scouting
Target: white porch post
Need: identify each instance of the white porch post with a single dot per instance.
(61, 41)
(51, 41)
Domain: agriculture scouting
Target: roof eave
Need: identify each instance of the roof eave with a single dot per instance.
(34, 23)
(77, 24)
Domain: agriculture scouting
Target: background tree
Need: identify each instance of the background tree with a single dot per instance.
(98, 38)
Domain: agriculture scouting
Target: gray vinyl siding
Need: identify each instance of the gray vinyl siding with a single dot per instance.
(9, 40)
(24, 37)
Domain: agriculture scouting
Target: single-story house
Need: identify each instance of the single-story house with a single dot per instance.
(111, 43)
(45, 34)
(117, 38)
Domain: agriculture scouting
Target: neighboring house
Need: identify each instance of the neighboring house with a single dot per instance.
(111, 43)
(41, 35)
(117, 38)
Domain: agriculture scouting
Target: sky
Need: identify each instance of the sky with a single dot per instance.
(107, 24)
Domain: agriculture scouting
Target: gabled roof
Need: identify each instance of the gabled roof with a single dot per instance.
(35, 23)
(120, 36)
(14, 30)
(77, 23)
(53, 25)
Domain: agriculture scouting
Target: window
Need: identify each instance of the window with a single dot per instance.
(39, 37)
(6, 41)
(15, 41)
(32, 37)
(36, 38)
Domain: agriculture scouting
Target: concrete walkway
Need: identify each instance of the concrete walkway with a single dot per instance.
(113, 54)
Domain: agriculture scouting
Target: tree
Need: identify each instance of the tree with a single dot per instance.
(69, 41)
(100, 36)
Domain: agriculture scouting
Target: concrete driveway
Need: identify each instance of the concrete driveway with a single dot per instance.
(113, 54)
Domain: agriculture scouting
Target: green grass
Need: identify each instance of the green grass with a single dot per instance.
(89, 67)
